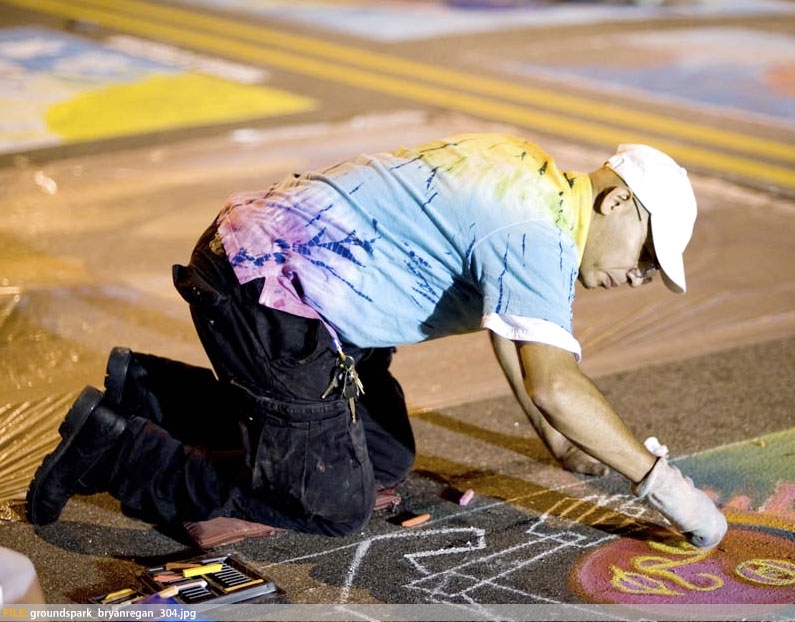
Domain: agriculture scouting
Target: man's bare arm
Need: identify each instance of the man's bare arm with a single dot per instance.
(575, 407)
(570, 457)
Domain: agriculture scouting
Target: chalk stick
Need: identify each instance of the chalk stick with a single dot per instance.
(240, 586)
(168, 577)
(417, 520)
(169, 592)
(181, 565)
(116, 595)
(200, 570)
(466, 497)
(176, 589)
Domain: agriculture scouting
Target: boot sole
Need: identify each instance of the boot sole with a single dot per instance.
(116, 373)
(77, 416)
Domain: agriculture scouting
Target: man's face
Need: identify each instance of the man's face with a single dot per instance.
(619, 248)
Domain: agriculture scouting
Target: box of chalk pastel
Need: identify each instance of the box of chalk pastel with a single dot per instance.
(209, 580)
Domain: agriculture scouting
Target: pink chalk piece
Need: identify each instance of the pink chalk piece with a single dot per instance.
(466, 497)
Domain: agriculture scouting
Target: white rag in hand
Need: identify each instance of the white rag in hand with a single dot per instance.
(654, 447)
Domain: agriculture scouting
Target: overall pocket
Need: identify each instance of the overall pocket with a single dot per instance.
(310, 458)
(280, 462)
(339, 477)
(224, 327)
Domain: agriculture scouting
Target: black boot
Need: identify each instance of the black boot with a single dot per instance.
(83, 461)
(119, 361)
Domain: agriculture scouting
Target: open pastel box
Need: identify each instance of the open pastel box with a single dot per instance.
(226, 579)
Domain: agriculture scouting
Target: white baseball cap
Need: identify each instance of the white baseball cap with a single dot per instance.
(662, 186)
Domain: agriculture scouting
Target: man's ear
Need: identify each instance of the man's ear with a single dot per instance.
(613, 198)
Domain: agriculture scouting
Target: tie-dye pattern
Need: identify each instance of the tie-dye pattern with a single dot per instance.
(400, 247)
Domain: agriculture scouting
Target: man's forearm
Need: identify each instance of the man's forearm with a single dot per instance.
(576, 408)
(569, 456)
(508, 357)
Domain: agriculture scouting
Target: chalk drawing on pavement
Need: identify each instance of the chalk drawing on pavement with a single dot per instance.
(754, 484)
(711, 67)
(604, 540)
(403, 20)
(474, 565)
(58, 88)
(750, 566)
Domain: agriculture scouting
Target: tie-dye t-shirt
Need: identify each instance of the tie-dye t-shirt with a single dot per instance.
(476, 230)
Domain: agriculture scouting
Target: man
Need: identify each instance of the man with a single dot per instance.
(299, 294)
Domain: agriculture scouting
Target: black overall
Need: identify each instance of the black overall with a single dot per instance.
(301, 462)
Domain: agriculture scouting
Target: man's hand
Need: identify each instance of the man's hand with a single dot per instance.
(568, 455)
(576, 460)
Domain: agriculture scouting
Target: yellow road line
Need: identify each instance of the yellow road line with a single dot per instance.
(598, 110)
(430, 95)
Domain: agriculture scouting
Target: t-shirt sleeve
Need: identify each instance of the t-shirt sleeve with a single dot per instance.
(526, 274)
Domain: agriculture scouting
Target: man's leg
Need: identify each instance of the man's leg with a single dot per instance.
(308, 472)
(302, 468)
(390, 440)
(185, 400)
(160, 480)
(305, 465)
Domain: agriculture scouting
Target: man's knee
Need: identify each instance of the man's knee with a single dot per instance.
(351, 513)
(390, 471)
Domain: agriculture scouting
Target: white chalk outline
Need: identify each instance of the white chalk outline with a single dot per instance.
(565, 539)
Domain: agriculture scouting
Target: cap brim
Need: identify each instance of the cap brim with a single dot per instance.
(674, 287)
(671, 260)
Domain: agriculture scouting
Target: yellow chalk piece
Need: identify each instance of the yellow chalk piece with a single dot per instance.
(119, 594)
(167, 101)
(240, 586)
(181, 565)
(169, 592)
(206, 569)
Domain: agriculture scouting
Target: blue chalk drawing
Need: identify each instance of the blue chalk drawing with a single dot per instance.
(719, 67)
(404, 21)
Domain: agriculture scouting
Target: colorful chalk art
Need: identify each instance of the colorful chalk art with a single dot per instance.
(754, 484)
(720, 68)
(57, 88)
(396, 20)
(590, 542)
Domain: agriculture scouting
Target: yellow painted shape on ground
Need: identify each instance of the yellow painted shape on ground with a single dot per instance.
(166, 101)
